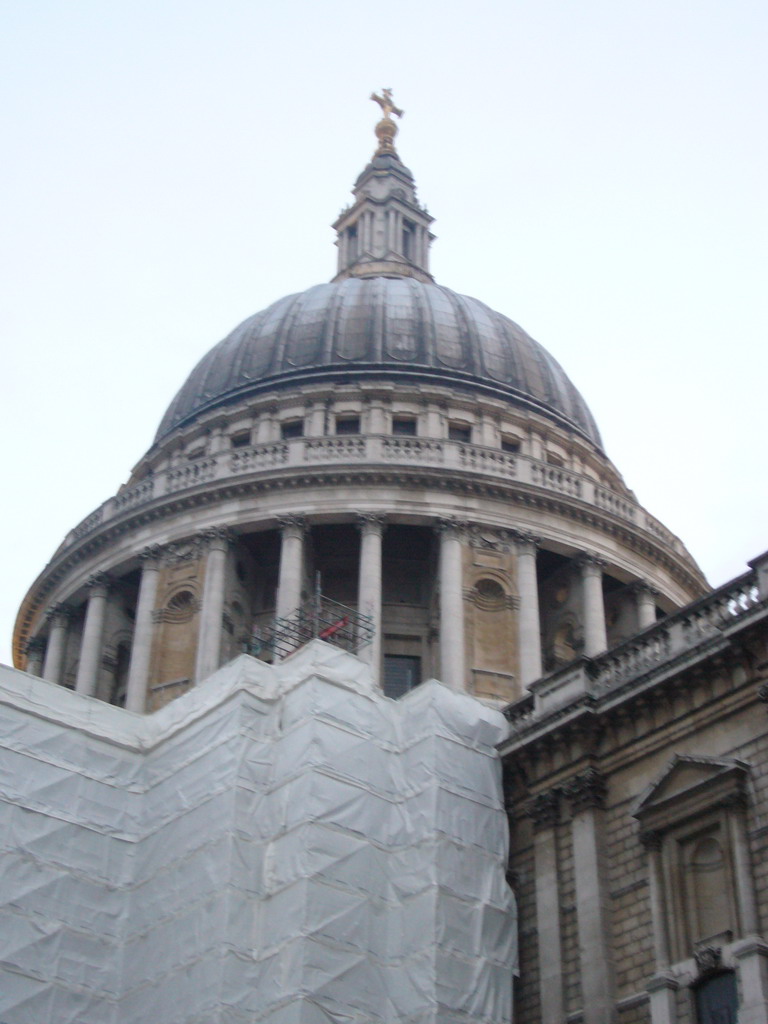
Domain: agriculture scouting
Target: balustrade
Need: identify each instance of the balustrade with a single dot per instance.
(377, 449)
(336, 448)
(647, 652)
(197, 472)
(555, 478)
(132, 496)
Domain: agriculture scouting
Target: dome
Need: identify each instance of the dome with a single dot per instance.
(381, 327)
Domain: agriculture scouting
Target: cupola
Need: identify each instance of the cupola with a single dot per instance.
(385, 232)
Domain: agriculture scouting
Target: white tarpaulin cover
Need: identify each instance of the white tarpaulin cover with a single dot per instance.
(280, 845)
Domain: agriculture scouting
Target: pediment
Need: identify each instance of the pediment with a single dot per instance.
(691, 781)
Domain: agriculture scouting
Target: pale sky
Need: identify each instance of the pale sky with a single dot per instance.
(597, 169)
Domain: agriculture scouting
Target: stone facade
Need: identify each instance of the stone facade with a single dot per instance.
(637, 789)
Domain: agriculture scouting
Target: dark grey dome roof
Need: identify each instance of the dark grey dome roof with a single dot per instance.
(380, 328)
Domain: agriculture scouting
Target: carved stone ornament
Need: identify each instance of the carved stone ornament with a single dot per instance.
(642, 587)
(588, 561)
(152, 553)
(293, 523)
(586, 790)
(487, 538)
(651, 839)
(182, 551)
(371, 522)
(62, 612)
(544, 809)
(99, 579)
(762, 693)
(708, 959)
(455, 526)
(216, 535)
(525, 542)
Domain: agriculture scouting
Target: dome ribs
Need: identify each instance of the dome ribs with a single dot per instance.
(456, 343)
(240, 369)
(380, 325)
(355, 335)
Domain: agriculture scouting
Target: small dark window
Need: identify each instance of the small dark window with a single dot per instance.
(181, 600)
(509, 445)
(404, 427)
(241, 439)
(554, 460)
(348, 425)
(401, 673)
(293, 428)
(352, 244)
(717, 1000)
(459, 432)
(198, 453)
(490, 589)
(409, 230)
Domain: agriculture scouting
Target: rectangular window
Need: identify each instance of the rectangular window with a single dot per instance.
(408, 239)
(348, 425)
(401, 673)
(509, 444)
(352, 244)
(459, 432)
(292, 428)
(404, 427)
(241, 440)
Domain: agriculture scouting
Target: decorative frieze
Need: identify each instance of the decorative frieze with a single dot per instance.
(99, 580)
(216, 537)
(588, 789)
(544, 809)
(59, 614)
(292, 524)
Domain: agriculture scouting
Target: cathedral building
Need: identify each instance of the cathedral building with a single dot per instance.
(382, 465)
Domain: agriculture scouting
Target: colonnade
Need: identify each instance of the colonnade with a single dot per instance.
(453, 668)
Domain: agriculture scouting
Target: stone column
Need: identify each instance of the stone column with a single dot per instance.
(141, 649)
(34, 652)
(751, 956)
(528, 624)
(212, 608)
(375, 421)
(742, 868)
(315, 419)
(645, 603)
(93, 635)
(544, 809)
(53, 666)
(662, 989)
(595, 637)
(291, 575)
(652, 842)
(369, 587)
(452, 659)
(266, 427)
(586, 793)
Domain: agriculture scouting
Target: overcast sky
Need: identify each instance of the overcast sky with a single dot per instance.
(597, 169)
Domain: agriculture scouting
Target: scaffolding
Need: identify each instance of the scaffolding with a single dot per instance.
(320, 618)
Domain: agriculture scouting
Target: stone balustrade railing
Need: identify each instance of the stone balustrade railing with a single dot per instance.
(373, 450)
(646, 653)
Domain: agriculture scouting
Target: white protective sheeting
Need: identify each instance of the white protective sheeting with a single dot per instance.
(280, 845)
